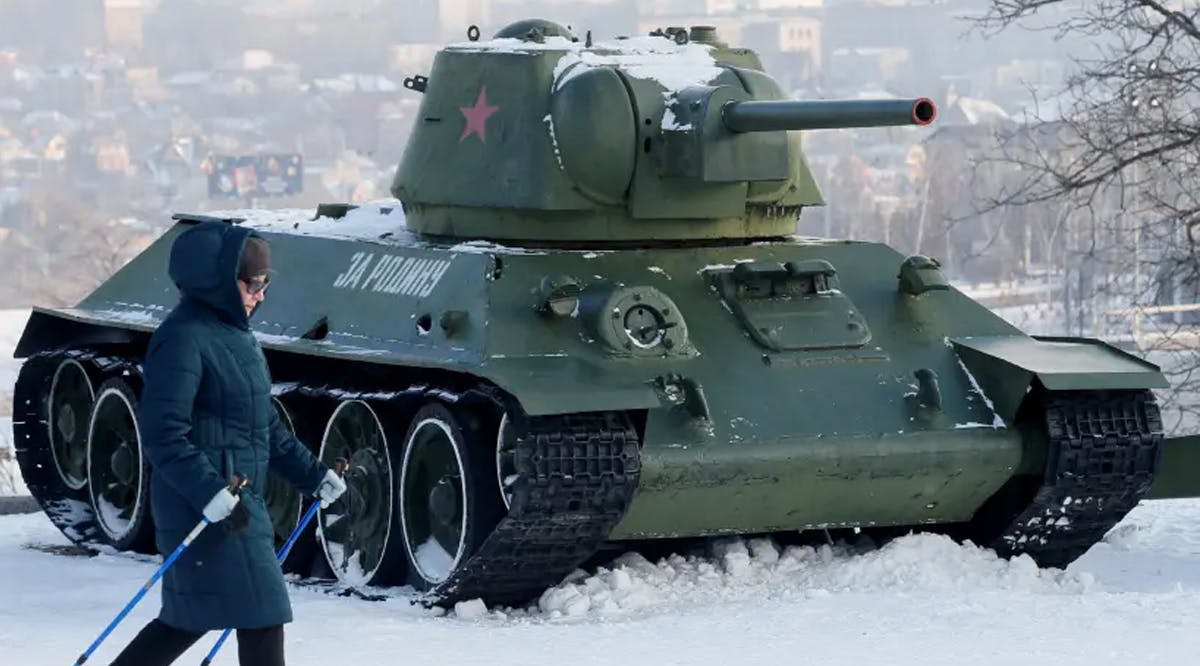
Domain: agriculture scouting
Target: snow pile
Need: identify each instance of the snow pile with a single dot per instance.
(739, 570)
(673, 66)
(375, 220)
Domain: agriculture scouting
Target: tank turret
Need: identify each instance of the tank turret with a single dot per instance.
(535, 135)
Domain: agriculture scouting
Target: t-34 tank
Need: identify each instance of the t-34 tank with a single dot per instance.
(588, 321)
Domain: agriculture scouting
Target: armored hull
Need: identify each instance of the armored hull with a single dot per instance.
(665, 394)
(529, 356)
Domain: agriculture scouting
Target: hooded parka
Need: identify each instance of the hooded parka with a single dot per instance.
(206, 412)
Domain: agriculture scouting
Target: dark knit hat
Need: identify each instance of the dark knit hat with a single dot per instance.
(256, 258)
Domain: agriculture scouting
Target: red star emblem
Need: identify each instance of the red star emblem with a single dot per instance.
(477, 116)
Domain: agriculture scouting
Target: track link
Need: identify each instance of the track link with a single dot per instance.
(577, 474)
(1103, 450)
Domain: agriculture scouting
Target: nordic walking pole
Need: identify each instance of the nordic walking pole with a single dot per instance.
(234, 487)
(340, 467)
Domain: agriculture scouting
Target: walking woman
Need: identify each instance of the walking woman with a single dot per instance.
(206, 413)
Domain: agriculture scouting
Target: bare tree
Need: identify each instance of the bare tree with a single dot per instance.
(1116, 152)
(61, 249)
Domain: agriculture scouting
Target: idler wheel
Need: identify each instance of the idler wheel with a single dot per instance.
(448, 504)
(118, 473)
(49, 462)
(356, 531)
(70, 406)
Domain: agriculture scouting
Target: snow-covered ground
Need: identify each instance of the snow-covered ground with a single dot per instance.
(12, 322)
(919, 600)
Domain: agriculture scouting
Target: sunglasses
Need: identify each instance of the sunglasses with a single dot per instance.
(257, 285)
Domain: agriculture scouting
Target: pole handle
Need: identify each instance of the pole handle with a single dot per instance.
(339, 467)
(236, 484)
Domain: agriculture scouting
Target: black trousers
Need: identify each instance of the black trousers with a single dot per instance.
(159, 644)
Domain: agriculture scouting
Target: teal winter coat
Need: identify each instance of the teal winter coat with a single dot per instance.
(206, 412)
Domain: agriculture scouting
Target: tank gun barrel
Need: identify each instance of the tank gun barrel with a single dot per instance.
(769, 116)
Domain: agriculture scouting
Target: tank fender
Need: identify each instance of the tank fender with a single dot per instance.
(1004, 368)
(49, 329)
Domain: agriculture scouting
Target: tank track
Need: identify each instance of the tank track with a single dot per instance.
(68, 510)
(578, 473)
(1103, 450)
(577, 476)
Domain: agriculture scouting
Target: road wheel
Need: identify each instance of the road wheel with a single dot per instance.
(358, 532)
(118, 472)
(448, 499)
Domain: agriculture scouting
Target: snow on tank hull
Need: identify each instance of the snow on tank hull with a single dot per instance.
(507, 411)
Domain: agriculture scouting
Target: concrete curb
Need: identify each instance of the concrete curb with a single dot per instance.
(18, 504)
